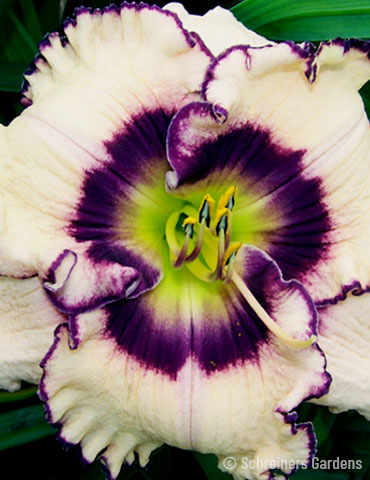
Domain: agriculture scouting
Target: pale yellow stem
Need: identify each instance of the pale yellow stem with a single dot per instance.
(266, 319)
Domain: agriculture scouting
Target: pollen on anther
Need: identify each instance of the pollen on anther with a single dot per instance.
(222, 220)
(188, 226)
(206, 209)
(231, 252)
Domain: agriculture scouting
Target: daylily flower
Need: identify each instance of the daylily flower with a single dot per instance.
(191, 215)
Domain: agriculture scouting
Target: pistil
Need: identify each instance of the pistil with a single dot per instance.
(266, 319)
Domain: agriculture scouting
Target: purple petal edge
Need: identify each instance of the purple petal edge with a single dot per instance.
(42, 392)
(353, 288)
(44, 397)
(347, 44)
(192, 38)
(292, 416)
(133, 286)
(50, 276)
(291, 419)
(74, 333)
(96, 302)
(304, 50)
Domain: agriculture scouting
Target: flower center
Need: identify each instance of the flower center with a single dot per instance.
(210, 256)
(207, 251)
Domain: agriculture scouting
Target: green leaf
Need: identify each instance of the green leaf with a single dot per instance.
(11, 76)
(321, 28)
(311, 474)
(62, 7)
(49, 15)
(313, 20)
(6, 397)
(22, 426)
(323, 422)
(31, 20)
(5, 5)
(306, 411)
(23, 33)
(357, 442)
(209, 466)
(365, 93)
(92, 472)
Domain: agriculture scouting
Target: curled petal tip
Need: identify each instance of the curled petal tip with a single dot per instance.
(220, 113)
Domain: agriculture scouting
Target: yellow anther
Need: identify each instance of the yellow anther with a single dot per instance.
(220, 213)
(227, 200)
(206, 209)
(231, 194)
(222, 220)
(188, 226)
(231, 252)
(221, 203)
(189, 221)
(221, 228)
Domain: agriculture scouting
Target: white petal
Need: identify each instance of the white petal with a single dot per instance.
(116, 65)
(344, 336)
(27, 323)
(110, 402)
(218, 28)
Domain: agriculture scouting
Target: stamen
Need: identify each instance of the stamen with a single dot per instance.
(198, 246)
(222, 220)
(205, 216)
(220, 228)
(221, 223)
(229, 260)
(227, 200)
(220, 257)
(266, 319)
(231, 252)
(228, 234)
(188, 227)
(206, 209)
(226, 255)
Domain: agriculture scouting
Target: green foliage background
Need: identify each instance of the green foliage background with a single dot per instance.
(27, 443)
